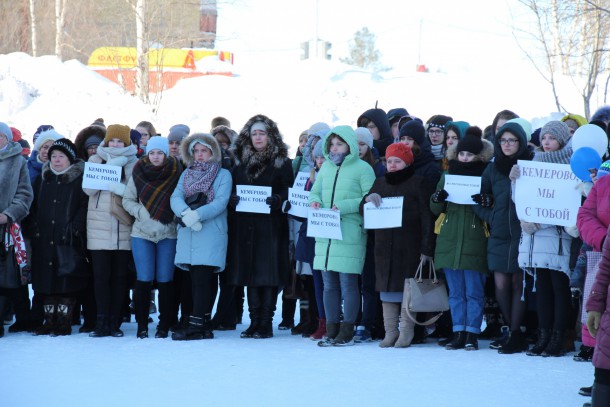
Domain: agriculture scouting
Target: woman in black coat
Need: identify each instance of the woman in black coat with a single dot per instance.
(258, 243)
(58, 216)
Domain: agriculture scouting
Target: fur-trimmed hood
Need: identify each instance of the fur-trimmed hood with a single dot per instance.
(485, 155)
(76, 170)
(83, 135)
(226, 131)
(244, 151)
(187, 156)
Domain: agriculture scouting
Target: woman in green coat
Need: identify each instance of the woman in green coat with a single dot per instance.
(461, 246)
(343, 181)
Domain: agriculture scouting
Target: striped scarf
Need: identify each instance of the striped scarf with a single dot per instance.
(155, 185)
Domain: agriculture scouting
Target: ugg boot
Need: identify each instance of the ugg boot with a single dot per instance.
(141, 299)
(516, 343)
(102, 327)
(556, 346)
(458, 341)
(406, 330)
(166, 309)
(391, 311)
(332, 330)
(65, 310)
(346, 335)
(50, 316)
(198, 328)
(544, 337)
(600, 395)
(320, 332)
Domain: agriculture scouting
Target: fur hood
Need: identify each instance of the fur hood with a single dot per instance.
(76, 170)
(11, 150)
(83, 135)
(244, 151)
(226, 131)
(485, 155)
(187, 156)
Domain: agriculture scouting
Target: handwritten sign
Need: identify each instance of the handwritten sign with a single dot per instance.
(388, 215)
(99, 176)
(252, 199)
(299, 202)
(324, 223)
(300, 180)
(461, 188)
(546, 193)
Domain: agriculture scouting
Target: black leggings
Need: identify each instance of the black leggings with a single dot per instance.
(201, 277)
(110, 280)
(509, 288)
(602, 376)
(554, 300)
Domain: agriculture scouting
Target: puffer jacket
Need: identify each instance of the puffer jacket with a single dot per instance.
(598, 301)
(104, 231)
(594, 215)
(343, 186)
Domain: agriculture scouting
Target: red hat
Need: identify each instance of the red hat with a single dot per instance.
(401, 151)
(16, 134)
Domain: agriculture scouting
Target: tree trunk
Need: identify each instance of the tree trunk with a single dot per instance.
(60, 14)
(142, 68)
(33, 27)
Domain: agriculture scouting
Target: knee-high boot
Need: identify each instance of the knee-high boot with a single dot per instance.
(406, 330)
(166, 299)
(268, 301)
(141, 302)
(391, 311)
(65, 310)
(254, 307)
(49, 305)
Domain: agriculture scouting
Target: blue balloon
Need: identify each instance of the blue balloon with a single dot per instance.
(584, 159)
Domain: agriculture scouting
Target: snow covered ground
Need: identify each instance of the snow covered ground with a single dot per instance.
(285, 370)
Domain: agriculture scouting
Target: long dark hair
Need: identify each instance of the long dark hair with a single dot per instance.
(369, 158)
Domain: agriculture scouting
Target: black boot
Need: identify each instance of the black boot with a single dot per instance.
(556, 346)
(102, 327)
(268, 301)
(50, 316)
(141, 301)
(472, 341)
(600, 395)
(254, 307)
(346, 335)
(198, 328)
(115, 326)
(544, 337)
(303, 324)
(65, 310)
(585, 354)
(166, 316)
(516, 343)
(458, 341)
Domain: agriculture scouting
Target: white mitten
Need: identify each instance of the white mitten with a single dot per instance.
(116, 188)
(197, 226)
(118, 161)
(189, 218)
(572, 231)
(529, 227)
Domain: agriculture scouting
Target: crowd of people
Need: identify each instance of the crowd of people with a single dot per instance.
(175, 220)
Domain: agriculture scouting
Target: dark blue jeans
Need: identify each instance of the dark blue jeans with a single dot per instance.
(466, 299)
(154, 261)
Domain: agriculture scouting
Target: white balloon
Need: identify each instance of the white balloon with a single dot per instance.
(590, 135)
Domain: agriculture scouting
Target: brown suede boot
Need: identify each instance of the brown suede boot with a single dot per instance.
(391, 310)
(406, 330)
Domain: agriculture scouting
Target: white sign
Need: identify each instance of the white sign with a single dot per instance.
(324, 223)
(388, 215)
(99, 176)
(546, 193)
(300, 180)
(299, 202)
(252, 198)
(461, 188)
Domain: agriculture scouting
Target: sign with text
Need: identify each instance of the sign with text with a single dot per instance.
(546, 193)
(388, 215)
(299, 202)
(461, 188)
(252, 198)
(99, 176)
(324, 223)
(300, 180)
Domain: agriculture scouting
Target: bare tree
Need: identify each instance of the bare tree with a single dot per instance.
(60, 16)
(363, 51)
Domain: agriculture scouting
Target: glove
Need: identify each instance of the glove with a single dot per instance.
(572, 231)
(514, 172)
(118, 161)
(287, 206)
(374, 198)
(117, 188)
(273, 201)
(425, 259)
(233, 201)
(593, 318)
(190, 217)
(485, 200)
(197, 226)
(530, 228)
(440, 196)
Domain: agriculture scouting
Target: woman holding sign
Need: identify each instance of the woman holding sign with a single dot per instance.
(258, 241)
(462, 242)
(342, 182)
(399, 250)
(496, 207)
(544, 252)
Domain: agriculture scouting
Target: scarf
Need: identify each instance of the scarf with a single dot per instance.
(504, 163)
(155, 185)
(438, 151)
(337, 158)
(257, 161)
(396, 177)
(557, 157)
(471, 169)
(199, 177)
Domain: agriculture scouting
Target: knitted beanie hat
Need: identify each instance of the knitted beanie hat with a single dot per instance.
(6, 131)
(40, 129)
(401, 151)
(317, 127)
(472, 141)
(604, 169)
(93, 141)
(45, 136)
(118, 131)
(415, 130)
(178, 132)
(65, 146)
(439, 121)
(557, 129)
(158, 143)
(364, 135)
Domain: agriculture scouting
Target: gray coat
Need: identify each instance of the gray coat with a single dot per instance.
(17, 195)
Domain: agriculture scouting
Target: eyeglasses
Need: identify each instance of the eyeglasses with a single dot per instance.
(436, 132)
(509, 141)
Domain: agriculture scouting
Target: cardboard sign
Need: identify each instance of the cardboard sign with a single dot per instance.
(299, 202)
(324, 223)
(461, 188)
(546, 193)
(99, 176)
(252, 199)
(300, 180)
(387, 216)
